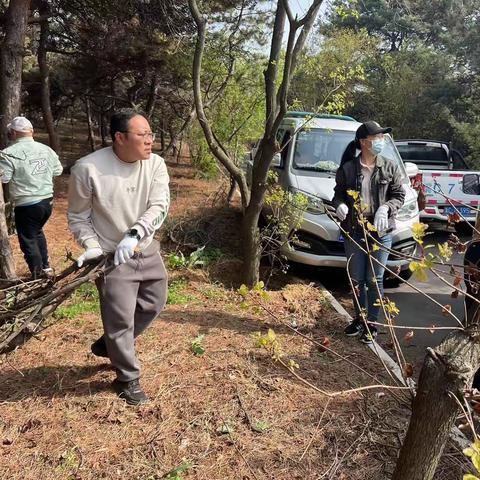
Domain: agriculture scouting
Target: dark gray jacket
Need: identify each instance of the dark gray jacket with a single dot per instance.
(386, 184)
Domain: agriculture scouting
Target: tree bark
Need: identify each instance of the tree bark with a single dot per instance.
(447, 371)
(11, 64)
(179, 151)
(152, 97)
(91, 132)
(231, 190)
(103, 128)
(250, 231)
(45, 78)
(7, 265)
(162, 136)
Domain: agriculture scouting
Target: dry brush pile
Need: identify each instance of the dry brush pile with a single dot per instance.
(27, 305)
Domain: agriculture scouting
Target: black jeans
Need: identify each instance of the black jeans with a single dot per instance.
(29, 221)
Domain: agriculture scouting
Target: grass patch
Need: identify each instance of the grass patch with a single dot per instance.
(84, 300)
(200, 258)
(176, 293)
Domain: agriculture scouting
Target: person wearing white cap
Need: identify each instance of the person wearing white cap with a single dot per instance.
(29, 167)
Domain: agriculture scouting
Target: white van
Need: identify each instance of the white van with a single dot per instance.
(313, 147)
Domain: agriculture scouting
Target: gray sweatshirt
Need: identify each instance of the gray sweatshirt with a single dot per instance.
(108, 197)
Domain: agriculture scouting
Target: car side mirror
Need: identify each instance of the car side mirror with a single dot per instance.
(277, 160)
(412, 169)
(471, 184)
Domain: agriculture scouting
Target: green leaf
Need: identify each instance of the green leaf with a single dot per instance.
(469, 476)
(243, 290)
(271, 336)
(175, 474)
(468, 452)
(475, 458)
(261, 426)
(197, 345)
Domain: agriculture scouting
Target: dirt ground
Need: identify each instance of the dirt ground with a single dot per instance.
(232, 412)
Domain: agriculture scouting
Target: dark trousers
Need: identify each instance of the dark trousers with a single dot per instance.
(368, 280)
(29, 222)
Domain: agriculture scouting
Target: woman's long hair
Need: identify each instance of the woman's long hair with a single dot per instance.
(350, 151)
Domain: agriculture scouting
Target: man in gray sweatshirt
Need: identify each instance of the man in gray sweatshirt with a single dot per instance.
(118, 198)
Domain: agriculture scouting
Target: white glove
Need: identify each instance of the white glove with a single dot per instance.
(125, 250)
(342, 211)
(380, 221)
(89, 254)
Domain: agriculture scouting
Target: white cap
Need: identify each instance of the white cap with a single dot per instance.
(20, 124)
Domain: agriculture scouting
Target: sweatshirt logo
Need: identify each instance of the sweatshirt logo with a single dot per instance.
(131, 189)
(40, 166)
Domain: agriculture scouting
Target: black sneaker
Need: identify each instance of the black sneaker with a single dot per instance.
(131, 392)
(99, 348)
(369, 336)
(354, 328)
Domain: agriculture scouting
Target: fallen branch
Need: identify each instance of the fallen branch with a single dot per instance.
(26, 305)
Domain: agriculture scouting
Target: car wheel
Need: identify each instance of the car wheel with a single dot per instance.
(464, 228)
(394, 282)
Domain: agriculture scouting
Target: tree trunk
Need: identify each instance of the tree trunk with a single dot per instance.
(103, 129)
(179, 151)
(45, 78)
(250, 231)
(91, 132)
(447, 371)
(11, 64)
(152, 96)
(231, 191)
(162, 136)
(7, 265)
(251, 244)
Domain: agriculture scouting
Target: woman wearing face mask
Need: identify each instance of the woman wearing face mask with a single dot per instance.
(379, 183)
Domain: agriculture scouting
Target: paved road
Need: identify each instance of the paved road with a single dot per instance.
(418, 311)
(415, 309)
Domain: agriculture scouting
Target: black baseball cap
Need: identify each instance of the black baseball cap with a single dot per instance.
(370, 128)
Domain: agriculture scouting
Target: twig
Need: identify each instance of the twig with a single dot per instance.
(34, 301)
(247, 416)
(315, 432)
(340, 392)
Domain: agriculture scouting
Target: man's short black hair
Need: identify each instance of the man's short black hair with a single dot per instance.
(119, 120)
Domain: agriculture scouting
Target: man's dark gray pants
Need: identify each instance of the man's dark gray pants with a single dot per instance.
(131, 297)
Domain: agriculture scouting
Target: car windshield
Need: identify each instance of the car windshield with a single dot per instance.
(321, 150)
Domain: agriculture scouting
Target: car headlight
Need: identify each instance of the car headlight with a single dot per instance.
(315, 204)
(408, 211)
